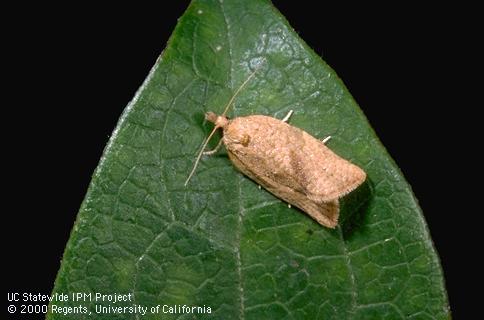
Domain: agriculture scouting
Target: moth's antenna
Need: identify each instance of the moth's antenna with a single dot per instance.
(241, 87)
(199, 156)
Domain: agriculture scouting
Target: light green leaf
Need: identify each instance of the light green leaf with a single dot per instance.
(221, 242)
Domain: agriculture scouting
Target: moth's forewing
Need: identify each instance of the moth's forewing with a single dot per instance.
(292, 165)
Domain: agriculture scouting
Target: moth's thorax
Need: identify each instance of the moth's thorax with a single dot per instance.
(253, 132)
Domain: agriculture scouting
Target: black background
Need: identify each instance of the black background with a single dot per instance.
(72, 70)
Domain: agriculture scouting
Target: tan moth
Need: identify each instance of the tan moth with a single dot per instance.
(287, 161)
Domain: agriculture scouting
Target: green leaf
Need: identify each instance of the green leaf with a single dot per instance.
(222, 242)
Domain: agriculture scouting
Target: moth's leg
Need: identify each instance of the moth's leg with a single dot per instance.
(210, 152)
(326, 139)
(288, 115)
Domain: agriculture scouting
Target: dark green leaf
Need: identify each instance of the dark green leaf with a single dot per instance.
(221, 242)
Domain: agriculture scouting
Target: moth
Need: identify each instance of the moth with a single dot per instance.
(287, 161)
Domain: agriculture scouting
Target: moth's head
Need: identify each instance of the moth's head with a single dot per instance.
(219, 121)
